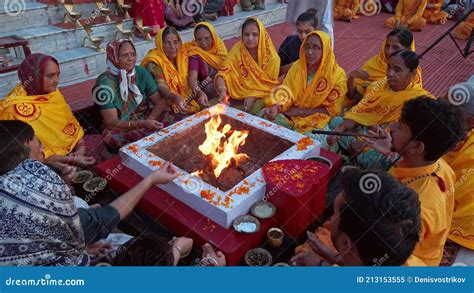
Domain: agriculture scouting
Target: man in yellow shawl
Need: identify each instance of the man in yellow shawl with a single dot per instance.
(314, 89)
(408, 14)
(461, 160)
(346, 9)
(168, 63)
(207, 54)
(433, 13)
(381, 105)
(376, 68)
(37, 101)
(427, 130)
(250, 72)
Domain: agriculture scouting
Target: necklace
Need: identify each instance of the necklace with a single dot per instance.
(441, 183)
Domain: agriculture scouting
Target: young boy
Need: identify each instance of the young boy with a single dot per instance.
(427, 130)
(376, 229)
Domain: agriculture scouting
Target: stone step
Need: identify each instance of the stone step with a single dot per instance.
(29, 15)
(49, 39)
(81, 64)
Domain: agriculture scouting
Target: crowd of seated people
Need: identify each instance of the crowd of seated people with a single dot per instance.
(423, 142)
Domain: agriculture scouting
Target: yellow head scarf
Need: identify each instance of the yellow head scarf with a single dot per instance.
(176, 78)
(246, 78)
(382, 105)
(376, 67)
(328, 87)
(215, 57)
(49, 115)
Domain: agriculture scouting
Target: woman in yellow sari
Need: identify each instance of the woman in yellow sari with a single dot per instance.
(381, 105)
(168, 63)
(376, 68)
(37, 101)
(207, 54)
(250, 72)
(408, 14)
(461, 160)
(314, 89)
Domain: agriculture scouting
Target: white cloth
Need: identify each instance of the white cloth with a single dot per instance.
(126, 83)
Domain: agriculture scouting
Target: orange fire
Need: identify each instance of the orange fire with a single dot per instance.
(222, 149)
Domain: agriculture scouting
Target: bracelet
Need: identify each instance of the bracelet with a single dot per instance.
(129, 125)
(212, 261)
(222, 87)
(178, 250)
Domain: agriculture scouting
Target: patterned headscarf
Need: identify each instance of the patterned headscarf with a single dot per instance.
(31, 73)
(127, 81)
(40, 224)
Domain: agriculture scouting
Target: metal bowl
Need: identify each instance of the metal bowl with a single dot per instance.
(258, 257)
(255, 211)
(82, 176)
(245, 219)
(95, 184)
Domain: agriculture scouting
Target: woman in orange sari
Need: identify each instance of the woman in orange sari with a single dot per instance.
(433, 13)
(168, 63)
(376, 68)
(314, 89)
(207, 54)
(346, 9)
(37, 101)
(464, 30)
(408, 14)
(250, 72)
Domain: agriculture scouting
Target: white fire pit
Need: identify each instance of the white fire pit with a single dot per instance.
(230, 195)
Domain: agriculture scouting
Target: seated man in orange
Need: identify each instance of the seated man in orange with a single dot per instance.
(433, 13)
(377, 229)
(346, 9)
(409, 14)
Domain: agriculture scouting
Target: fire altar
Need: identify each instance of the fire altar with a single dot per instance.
(219, 153)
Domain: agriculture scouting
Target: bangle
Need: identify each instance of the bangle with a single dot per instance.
(178, 250)
(129, 125)
(212, 261)
(222, 87)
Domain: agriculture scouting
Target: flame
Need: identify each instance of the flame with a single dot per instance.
(222, 152)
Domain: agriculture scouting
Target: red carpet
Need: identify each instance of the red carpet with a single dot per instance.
(355, 43)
